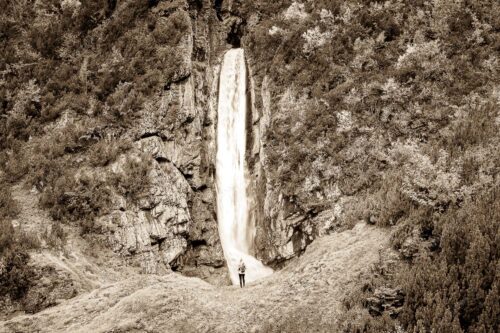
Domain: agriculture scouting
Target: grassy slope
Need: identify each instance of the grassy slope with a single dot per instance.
(304, 297)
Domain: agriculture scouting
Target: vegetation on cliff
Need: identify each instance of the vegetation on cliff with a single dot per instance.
(74, 76)
(385, 111)
(395, 105)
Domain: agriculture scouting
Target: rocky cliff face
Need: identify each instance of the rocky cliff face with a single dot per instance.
(174, 225)
(126, 148)
(284, 228)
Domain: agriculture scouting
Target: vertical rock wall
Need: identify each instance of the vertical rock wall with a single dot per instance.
(284, 229)
(175, 224)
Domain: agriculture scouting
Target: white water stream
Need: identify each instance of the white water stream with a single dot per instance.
(236, 233)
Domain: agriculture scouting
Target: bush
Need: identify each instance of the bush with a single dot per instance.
(15, 273)
(8, 207)
(106, 152)
(80, 200)
(476, 128)
(456, 289)
(55, 236)
(171, 29)
(6, 236)
(133, 180)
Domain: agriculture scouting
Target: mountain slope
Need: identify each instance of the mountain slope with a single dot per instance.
(305, 296)
(382, 111)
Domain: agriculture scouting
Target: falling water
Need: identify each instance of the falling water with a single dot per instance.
(232, 203)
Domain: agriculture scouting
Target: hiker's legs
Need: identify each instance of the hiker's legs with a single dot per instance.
(241, 280)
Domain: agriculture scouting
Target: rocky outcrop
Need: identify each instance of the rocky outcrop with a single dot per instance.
(284, 227)
(386, 300)
(153, 231)
(174, 223)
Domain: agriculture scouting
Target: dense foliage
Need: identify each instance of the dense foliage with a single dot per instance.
(75, 76)
(393, 107)
(457, 288)
(15, 274)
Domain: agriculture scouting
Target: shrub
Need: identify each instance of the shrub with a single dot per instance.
(54, 235)
(475, 128)
(456, 288)
(6, 236)
(15, 273)
(314, 39)
(169, 30)
(76, 200)
(45, 37)
(106, 152)
(8, 207)
(133, 180)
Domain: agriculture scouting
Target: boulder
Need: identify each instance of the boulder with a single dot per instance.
(384, 299)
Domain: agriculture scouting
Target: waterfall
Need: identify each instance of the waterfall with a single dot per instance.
(236, 233)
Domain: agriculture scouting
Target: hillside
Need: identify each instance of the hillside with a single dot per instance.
(305, 297)
(385, 113)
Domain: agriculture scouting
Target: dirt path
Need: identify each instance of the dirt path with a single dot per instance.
(306, 296)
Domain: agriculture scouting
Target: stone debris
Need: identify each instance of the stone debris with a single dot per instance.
(384, 299)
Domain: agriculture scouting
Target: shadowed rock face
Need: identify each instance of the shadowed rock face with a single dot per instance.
(218, 8)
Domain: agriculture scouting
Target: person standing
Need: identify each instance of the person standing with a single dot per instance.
(241, 273)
